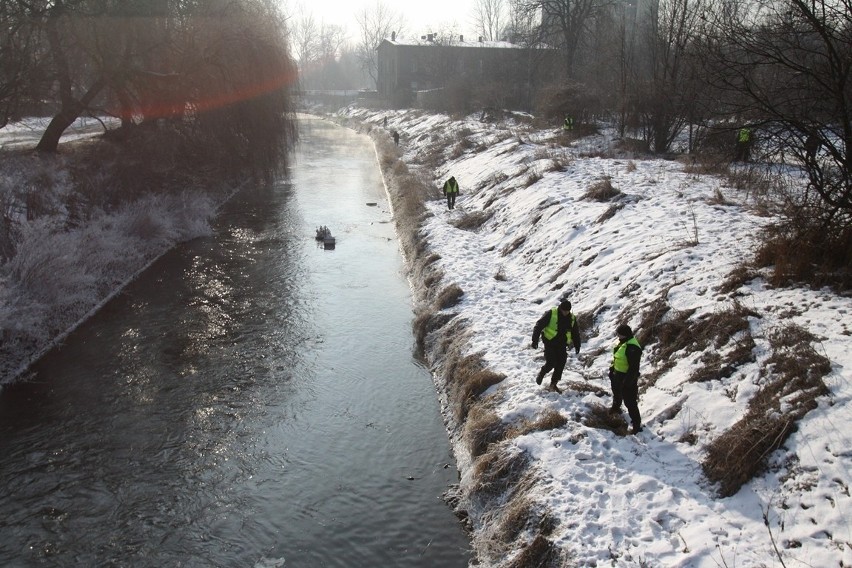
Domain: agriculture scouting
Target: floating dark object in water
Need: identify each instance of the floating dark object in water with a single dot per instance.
(324, 236)
(323, 233)
(371, 204)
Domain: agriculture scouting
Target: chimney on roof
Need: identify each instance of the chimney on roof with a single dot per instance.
(430, 37)
(393, 36)
(461, 38)
(480, 39)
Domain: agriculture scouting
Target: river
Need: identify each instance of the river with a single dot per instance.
(250, 400)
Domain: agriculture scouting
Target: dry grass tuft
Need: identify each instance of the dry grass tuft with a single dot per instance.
(719, 199)
(737, 278)
(586, 386)
(461, 147)
(755, 181)
(673, 331)
(467, 378)
(516, 518)
(425, 322)
(549, 419)
(513, 246)
(666, 326)
(560, 271)
(481, 429)
(598, 416)
(558, 164)
(498, 471)
(633, 145)
(602, 191)
(449, 297)
(714, 164)
(609, 213)
(532, 178)
(807, 246)
(472, 221)
(541, 553)
(792, 384)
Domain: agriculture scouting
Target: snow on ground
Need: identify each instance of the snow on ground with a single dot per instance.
(635, 500)
(27, 132)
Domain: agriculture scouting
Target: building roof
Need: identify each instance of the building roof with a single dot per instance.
(456, 41)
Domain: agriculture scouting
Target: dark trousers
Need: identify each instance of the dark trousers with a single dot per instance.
(451, 201)
(555, 357)
(627, 391)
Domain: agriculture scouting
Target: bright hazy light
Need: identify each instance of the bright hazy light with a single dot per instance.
(421, 16)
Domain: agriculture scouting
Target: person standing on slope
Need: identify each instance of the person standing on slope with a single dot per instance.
(624, 375)
(451, 190)
(558, 329)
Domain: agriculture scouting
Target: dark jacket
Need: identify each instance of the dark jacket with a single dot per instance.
(562, 325)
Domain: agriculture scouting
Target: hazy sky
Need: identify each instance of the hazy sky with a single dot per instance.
(419, 14)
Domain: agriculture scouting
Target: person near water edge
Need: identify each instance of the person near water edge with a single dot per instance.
(624, 375)
(451, 190)
(557, 329)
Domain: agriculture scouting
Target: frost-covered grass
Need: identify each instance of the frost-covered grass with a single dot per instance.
(64, 254)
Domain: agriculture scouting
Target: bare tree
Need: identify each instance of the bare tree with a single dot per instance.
(21, 57)
(67, 31)
(786, 67)
(375, 23)
(489, 17)
(522, 24)
(668, 94)
(218, 71)
(303, 32)
(565, 24)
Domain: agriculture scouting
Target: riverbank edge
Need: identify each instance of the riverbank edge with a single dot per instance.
(19, 362)
(506, 529)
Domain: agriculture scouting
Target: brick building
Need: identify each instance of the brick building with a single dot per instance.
(410, 69)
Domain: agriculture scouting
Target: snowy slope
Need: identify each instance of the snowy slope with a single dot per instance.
(669, 236)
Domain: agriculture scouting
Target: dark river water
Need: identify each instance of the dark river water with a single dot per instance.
(250, 400)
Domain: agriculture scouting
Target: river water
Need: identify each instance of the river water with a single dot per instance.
(250, 400)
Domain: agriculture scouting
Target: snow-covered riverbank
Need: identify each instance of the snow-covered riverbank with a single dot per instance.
(549, 479)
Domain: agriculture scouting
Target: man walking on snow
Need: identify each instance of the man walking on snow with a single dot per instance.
(451, 190)
(558, 329)
(624, 375)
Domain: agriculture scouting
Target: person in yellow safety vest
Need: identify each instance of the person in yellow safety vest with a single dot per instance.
(743, 149)
(451, 190)
(569, 123)
(558, 329)
(624, 375)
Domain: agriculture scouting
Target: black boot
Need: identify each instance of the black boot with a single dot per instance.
(539, 378)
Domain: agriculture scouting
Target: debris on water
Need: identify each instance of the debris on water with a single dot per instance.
(323, 232)
(324, 236)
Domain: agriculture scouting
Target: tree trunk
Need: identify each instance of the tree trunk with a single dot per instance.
(66, 116)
